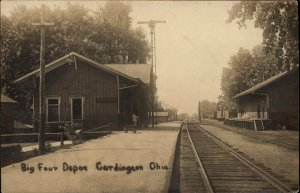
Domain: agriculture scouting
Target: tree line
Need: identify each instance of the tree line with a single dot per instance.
(278, 52)
(105, 35)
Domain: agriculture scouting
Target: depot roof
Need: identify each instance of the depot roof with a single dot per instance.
(134, 72)
(263, 84)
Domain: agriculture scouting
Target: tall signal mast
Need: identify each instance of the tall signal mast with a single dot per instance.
(152, 24)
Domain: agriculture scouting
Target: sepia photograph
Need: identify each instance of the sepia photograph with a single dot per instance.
(149, 96)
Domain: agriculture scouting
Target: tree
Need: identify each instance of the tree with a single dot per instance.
(245, 69)
(239, 75)
(23, 42)
(263, 64)
(119, 42)
(207, 108)
(138, 48)
(105, 36)
(223, 102)
(279, 22)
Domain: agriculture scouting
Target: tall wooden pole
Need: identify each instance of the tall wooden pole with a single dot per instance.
(151, 25)
(42, 91)
(154, 77)
(42, 97)
(199, 110)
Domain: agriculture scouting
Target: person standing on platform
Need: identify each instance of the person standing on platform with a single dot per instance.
(134, 119)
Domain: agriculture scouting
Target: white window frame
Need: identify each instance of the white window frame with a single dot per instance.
(47, 105)
(82, 106)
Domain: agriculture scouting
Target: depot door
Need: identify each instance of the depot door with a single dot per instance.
(77, 108)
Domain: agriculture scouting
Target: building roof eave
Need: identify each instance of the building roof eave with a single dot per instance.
(63, 60)
(262, 84)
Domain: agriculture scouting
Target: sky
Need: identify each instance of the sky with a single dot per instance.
(192, 47)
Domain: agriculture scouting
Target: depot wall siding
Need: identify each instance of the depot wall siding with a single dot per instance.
(86, 81)
(284, 101)
(249, 105)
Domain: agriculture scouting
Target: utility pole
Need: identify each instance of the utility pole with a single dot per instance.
(42, 113)
(151, 25)
(199, 110)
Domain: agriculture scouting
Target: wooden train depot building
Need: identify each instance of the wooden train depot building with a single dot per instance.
(81, 90)
(273, 103)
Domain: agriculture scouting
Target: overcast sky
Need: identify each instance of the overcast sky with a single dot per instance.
(192, 47)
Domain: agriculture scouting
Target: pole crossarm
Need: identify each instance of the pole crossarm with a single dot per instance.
(42, 24)
(151, 23)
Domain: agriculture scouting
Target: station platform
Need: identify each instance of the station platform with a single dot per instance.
(120, 162)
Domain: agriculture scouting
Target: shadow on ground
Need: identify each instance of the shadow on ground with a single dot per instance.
(22, 156)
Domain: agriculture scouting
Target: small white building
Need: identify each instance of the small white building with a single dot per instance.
(159, 117)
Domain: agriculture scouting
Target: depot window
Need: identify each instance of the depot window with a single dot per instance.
(53, 109)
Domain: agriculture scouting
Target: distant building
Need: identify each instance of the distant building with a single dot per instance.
(8, 114)
(274, 101)
(81, 90)
(11, 115)
(221, 114)
(159, 117)
(172, 114)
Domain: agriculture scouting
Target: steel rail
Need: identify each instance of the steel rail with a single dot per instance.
(273, 181)
(206, 181)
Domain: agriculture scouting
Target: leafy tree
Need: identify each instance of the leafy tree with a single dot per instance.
(245, 69)
(263, 64)
(207, 108)
(119, 42)
(225, 103)
(159, 106)
(279, 22)
(105, 35)
(138, 49)
(239, 75)
(278, 52)
(23, 43)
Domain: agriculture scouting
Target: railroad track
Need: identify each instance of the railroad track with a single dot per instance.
(190, 177)
(221, 168)
(282, 141)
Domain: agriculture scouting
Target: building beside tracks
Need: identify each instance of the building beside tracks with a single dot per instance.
(8, 113)
(81, 90)
(221, 114)
(159, 117)
(172, 114)
(11, 115)
(273, 103)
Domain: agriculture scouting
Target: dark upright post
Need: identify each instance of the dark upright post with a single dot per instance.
(42, 113)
